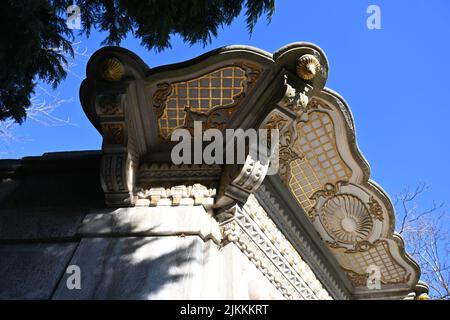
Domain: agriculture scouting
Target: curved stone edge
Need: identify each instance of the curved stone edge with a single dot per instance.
(336, 99)
(293, 222)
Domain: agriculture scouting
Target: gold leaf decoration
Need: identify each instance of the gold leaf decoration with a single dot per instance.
(211, 98)
(375, 209)
(112, 69)
(308, 66)
(113, 133)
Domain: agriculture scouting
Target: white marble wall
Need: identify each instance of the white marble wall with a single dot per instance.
(160, 253)
(134, 253)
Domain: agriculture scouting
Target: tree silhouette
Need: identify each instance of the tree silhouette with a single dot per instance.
(38, 39)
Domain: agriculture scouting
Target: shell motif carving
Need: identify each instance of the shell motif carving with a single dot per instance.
(308, 66)
(112, 69)
(346, 218)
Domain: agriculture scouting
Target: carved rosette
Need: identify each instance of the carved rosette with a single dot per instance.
(346, 218)
(350, 220)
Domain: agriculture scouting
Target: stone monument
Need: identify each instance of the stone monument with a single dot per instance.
(139, 226)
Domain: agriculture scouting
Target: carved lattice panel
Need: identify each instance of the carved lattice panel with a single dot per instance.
(377, 255)
(321, 163)
(221, 89)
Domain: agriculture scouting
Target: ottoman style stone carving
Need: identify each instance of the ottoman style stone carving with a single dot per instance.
(314, 230)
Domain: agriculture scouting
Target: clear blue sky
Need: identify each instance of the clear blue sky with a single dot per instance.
(394, 79)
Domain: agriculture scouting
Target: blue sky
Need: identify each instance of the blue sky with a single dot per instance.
(394, 79)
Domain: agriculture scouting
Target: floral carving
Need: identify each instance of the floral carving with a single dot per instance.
(252, 72)
(163, 90)
(276, 122)
(357, 280)
(375, 209)
(288, 153)
(113, 133)
(109, 104)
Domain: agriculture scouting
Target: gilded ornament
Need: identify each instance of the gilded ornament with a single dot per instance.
(423, 296)
(108, 105)
(375, 209)
(307, 67)
(357, 280)
(113, 133)
(112, 69)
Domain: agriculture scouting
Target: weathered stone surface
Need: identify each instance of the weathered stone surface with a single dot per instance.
(62, 179)
(144, 268)
(32, 271)
(148, 221)
(240, 279)
(164, 268)
(41, 223)
(7, 186)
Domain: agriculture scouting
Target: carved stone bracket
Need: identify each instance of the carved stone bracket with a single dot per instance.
(133, 107)
(237, 186)
(117, 178)
(119, 160)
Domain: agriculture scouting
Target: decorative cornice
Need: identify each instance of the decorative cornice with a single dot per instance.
(166, 174)
(294, 226)
(259, 239)
(181, 195)
(331, 183)
(126, 101)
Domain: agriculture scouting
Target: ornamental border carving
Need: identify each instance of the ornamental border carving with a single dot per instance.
(271, 253)
(286, 222)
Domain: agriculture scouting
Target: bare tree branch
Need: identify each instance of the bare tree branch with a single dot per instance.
(45, 102)
(427, 238)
